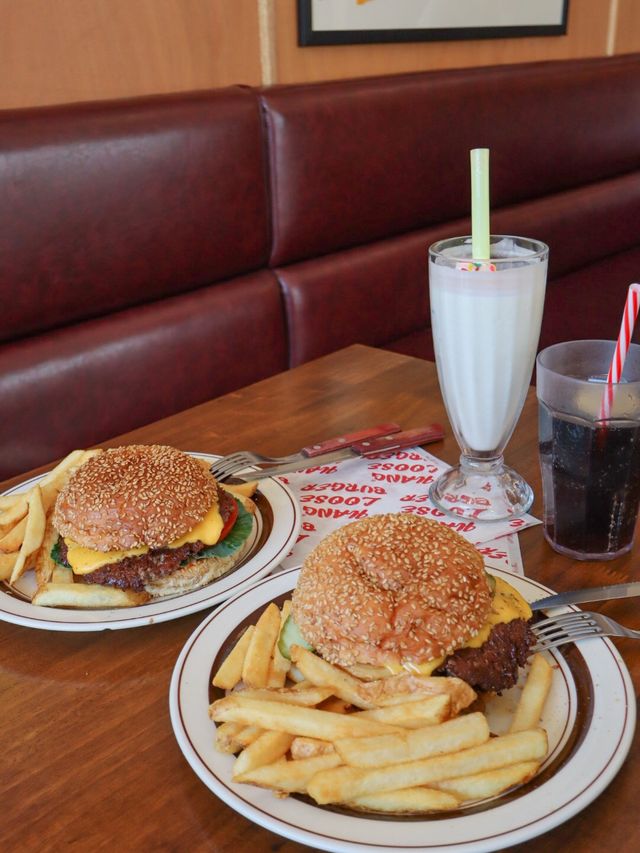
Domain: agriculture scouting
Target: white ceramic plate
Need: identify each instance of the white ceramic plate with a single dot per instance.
(275, 530)
(590, 719)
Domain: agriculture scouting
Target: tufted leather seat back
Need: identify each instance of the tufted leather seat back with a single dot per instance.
(365, 174)
(134, 237)
(160, 251)
(109, 205)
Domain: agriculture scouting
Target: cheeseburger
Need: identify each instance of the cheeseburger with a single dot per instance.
(409, 594)
(149, 520)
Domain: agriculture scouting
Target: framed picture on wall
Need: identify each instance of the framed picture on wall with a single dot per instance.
(323, 22)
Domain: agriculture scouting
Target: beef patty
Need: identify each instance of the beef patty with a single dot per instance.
(493, 666)
(134, 572)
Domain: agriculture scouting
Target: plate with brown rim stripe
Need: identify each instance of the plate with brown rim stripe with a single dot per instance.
(589, 718)
(275, 530)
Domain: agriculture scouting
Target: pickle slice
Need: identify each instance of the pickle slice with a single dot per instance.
(290, 636)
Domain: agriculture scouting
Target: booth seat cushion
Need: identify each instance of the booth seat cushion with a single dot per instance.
(580, 226)
(378, 294)
(76, 386)
(356, 161)
(372, 295)
(112, 204)
(589, 302)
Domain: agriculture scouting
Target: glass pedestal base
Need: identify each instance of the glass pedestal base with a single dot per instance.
(482, 490)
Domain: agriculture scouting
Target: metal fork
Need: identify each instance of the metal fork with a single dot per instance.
(241, 459)
(579, 625)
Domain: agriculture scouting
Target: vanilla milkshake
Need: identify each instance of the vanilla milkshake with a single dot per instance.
(485, 318)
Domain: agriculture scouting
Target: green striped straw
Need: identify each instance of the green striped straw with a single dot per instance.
(480, 245)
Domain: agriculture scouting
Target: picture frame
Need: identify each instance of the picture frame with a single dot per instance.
(349, 22)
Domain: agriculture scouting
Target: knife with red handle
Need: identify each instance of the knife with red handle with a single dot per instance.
(349, 439)
(361, 449)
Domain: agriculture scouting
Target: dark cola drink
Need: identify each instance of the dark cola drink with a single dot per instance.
(591, 484)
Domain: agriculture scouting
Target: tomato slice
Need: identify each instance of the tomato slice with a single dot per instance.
(229, 522)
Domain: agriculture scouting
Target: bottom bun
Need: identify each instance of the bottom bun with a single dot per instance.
(195, 574)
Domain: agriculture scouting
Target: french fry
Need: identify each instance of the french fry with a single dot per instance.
(255, 670)
(63, 470)
(33, 534)
(230, 672)
(283, 717)
(50, 492)
(320, 671)
(338, 706)
(86, 596)
(490, 783)
(413, 744)
(14, 507)
(14, 537)
(61, 574)
(226, 737)
(343, 784)
(290, 776)
(407, 801)
(266, 749)
(279, 665)
(306, 696)
(13, 513)
(408, 687)
(368, 672)
(534, 695)
(413, 715)
(309, 747)
(8, 501)
(7, 562)
(247, 735)
(45, 566)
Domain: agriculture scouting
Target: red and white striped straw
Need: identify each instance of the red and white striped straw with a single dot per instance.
(622, 347)
(624, 337)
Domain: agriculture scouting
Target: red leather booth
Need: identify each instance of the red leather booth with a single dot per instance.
(157, 252)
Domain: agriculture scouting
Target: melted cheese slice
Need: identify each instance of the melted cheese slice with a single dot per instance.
(507, 604)
(85, 560)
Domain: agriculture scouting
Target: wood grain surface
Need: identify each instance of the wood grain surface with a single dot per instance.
(88, 758)
(77, 50)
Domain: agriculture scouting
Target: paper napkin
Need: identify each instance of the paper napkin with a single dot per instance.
(338, 493)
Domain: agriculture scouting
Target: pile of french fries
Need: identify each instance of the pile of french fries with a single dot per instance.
(404, 744)
(26, 532)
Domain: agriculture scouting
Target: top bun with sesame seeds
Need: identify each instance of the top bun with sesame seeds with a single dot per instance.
(407, 593)
(391, 589)
(134, 496)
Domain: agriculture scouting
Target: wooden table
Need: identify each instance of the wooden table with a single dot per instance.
(88, 757)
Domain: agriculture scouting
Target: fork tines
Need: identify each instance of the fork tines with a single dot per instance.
(230, 464)
(566, 628)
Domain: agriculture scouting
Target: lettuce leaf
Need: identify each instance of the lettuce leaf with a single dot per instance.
(234, 539)
(55, 555)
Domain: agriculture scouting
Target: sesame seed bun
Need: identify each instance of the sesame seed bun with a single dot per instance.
(391, 588)
(134, 496)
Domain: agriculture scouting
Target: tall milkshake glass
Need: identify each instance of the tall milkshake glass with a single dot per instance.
(486, 320)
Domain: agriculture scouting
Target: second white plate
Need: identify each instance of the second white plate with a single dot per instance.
(275, 531)
(589, 717)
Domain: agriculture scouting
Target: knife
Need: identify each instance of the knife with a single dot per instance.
(594, 593)
(362, 449)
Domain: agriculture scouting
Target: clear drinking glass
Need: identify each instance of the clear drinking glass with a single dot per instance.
(589, 457)
(486, 326)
